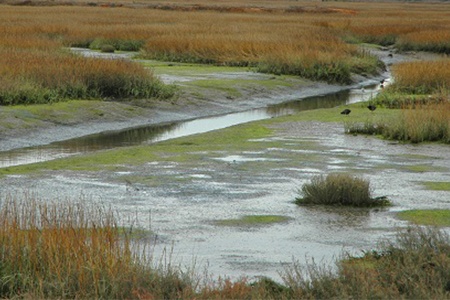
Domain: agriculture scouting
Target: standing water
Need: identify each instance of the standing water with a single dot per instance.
(160, 132)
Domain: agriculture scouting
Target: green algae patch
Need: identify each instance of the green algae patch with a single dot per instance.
(253, 220)
(185, 149)
(424, 168)
(437, 185)
(432, 217)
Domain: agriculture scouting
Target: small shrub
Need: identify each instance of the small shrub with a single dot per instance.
(107, 48)
(339, 189)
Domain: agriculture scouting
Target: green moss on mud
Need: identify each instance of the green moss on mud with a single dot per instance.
(432, 217)
(253, 220)
(236, 138)
(424, 168)
(437, 185)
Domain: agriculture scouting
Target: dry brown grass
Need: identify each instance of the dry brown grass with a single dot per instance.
(68, 250)
(424, 77)
(423, 123)
(304, 38)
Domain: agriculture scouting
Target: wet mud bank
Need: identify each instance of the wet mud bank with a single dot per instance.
(19, 132)
(194, 181)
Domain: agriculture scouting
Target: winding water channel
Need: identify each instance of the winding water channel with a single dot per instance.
(161, 132)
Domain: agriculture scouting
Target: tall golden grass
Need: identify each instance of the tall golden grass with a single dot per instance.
(35, 69)
(68, 250)
(422, 77)
(305, 39)
(414, 123)
(420, 124)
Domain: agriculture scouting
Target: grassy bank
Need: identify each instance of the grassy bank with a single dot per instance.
(424, 102)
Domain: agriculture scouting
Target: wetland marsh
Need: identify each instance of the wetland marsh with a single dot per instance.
(209, 146)
(182, 188)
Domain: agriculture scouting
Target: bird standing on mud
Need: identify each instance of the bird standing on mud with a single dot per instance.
(346, 111)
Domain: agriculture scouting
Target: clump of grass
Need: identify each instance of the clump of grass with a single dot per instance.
(395, 99)
(421, 123)
(414, 266)
(339, 189)
(107, 48)
(50, 76)
(369, 127)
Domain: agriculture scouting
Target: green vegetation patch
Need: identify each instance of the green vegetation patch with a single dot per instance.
(424, 168)
(235, 138)
(359, 113)
(253, 220)
(433, 217)
(437, 185)
(339, 189)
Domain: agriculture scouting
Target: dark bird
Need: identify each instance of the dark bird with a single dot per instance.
(346, 111)
(371, 107)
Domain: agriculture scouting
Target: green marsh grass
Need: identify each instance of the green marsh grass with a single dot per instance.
(339, 189)
(413, 266)
(437, 185)
(431, 217)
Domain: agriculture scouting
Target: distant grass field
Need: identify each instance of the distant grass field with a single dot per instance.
(305, 39)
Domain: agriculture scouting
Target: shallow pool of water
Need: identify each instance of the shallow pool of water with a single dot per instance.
(160, 132)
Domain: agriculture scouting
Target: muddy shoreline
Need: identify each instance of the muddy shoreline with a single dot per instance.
(186, 107)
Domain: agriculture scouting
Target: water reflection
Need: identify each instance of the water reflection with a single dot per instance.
(160, 132)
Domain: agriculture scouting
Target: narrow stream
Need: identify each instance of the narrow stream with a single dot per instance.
(161, 132)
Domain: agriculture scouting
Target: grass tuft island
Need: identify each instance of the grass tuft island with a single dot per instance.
(339, 189)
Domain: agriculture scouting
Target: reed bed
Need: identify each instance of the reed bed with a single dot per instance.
(36, 69)
(423, 123)
(64, 249)
(422, 77)
(420, 123)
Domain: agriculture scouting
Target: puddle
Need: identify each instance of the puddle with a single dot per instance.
(161, 132)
